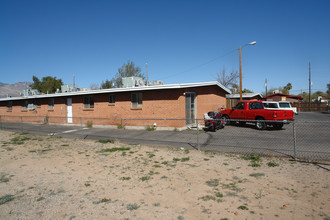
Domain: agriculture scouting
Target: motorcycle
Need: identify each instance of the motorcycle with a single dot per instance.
(213, 121)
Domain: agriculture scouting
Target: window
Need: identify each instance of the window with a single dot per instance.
(285, 105)
(24, 105)
(9, 105)
(50, 104)
(88, 102)
(31, 104)
(240, 106)
(272, 105)
(256, 105)
(112, 99)
(136, 100)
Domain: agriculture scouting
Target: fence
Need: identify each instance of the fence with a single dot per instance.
(306, 107)
(308, 140)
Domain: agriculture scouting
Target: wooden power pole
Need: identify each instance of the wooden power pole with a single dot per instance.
(310, 86)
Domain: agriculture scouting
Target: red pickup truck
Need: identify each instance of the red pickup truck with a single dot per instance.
(254, 112)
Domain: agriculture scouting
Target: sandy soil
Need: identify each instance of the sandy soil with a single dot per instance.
(47, 177)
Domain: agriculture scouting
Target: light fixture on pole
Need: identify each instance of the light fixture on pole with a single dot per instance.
(240, 67)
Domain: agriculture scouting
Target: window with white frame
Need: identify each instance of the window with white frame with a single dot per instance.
(112, 99)
(51, 104)
(88, 102)
(24, 105)
(31, 104)
(136, 99)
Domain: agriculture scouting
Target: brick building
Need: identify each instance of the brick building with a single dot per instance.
(135, 106)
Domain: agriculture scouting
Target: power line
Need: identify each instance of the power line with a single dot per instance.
(200, 65)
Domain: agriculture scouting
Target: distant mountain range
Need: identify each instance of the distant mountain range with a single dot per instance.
(13, 90)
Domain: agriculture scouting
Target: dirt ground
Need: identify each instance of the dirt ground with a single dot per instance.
(48, 177)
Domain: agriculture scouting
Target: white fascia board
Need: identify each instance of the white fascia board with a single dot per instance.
(245, 95)
(116, 90)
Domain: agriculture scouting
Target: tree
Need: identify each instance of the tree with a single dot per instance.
(127, 70)
(246, 91)
(107, 84)
(235, 88)
(227, 80)
(94, 86)
(328, 91)
(316, 94)
(287, 88)
(47, 85)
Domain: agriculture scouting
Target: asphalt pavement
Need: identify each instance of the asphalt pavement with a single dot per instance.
(308, 138)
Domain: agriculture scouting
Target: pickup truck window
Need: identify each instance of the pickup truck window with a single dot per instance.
(240, 106)
(285, 105)
(271, 105)
(256, 105)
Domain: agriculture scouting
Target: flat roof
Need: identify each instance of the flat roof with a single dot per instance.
(130, 89)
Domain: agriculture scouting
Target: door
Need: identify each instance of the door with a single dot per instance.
(69, 110)
(238, 111)
(190, 107)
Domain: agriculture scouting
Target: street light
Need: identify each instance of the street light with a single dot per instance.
(240, 66)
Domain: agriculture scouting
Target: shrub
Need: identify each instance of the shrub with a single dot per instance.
(150, 128)
(119, 126)
(89, 124)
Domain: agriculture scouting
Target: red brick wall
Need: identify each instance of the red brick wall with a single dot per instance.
(156, 104)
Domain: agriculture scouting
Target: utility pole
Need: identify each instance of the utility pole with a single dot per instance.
(240, 73)
(266, 86)
(309, 86)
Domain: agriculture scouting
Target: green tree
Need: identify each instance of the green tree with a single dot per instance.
(107, 84)
(316, 94)
(127, 70)
(328, 91)
(47, 85)
(287, 88)
(246, 91)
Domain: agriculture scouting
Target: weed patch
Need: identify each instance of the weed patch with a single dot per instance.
(6, 198)
(272, 164)
(89, 124)
(106, 141)
(207, 198)
(243, 207)
(125, 178)
(145, 178)
(150, 128)
(4, 179)
(213, 183)
(104, 200)
(257, 175)
(132, 207)
(114, 149)
(181, 160)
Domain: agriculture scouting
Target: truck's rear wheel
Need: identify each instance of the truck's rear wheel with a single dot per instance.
(278, 126)
(261, 124)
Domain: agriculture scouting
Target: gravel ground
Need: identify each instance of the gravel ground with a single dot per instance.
(47, 177)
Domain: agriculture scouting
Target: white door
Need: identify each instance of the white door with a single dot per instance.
(69, 110)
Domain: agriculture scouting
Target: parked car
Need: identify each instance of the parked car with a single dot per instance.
(287, 105)
(254, 112)
(282, 105)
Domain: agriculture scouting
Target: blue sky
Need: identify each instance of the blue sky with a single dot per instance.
(182, 41)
